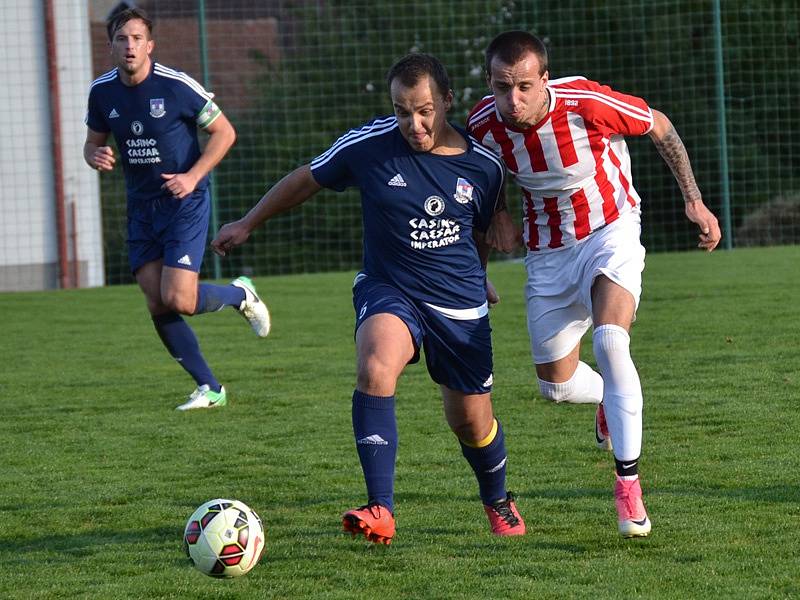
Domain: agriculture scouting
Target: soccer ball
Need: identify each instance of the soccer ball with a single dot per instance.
(224, 538)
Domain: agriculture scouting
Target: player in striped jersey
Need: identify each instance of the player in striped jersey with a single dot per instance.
(154, 113)
(564, 142)
(428, 192)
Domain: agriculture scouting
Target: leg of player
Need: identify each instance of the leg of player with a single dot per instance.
(176, 334)
(613, 310)
(471, 418)
(240, 294)
(573, 381)
(384, 346)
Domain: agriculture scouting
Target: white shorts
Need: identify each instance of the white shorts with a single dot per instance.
(559, 287)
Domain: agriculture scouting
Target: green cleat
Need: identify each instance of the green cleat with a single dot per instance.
(204, 397)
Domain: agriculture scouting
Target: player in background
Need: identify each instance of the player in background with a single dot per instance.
(154, 112)
(428, 191)
(563, 141)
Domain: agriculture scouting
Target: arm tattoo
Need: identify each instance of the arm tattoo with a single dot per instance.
(674, 154)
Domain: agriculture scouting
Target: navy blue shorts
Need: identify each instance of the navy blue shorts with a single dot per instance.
(458, 353)
(169, 229)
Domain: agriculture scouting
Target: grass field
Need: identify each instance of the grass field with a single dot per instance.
(99, 472)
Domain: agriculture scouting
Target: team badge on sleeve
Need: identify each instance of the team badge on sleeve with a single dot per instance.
(157, 108)
(463, 193)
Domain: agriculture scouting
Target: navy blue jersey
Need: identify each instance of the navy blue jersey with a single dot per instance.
(418, 210)
(154, 124)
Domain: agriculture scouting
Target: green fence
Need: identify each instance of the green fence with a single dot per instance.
(294, 75)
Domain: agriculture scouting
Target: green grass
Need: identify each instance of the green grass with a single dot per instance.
(99, 472)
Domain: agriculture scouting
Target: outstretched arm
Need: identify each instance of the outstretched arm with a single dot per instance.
(674, 153)
(294, 189)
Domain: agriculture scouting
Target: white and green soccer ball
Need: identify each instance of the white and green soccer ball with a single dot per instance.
(224, 538)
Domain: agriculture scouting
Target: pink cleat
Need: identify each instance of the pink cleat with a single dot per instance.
(601, 429)
(633, 521)
(504, 517)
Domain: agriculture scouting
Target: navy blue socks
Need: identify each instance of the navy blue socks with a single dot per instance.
(182, 344)
(211, 298)
(375, 429)
(488, 460)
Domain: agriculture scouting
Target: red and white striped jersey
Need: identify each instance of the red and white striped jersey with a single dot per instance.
(573, 166)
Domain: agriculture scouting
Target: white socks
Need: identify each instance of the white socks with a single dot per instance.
(585, 387)
(622, 394)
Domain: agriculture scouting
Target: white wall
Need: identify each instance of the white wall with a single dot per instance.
(28, 237)
(81, 184)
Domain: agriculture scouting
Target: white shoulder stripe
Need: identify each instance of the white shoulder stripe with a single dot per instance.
(561, 80)
(183, 77)
(628, 109)
(109, 76)
(482, 113)
(379, 123)
(611, 99)
(354, 136)
(321, 160)
(488, 154)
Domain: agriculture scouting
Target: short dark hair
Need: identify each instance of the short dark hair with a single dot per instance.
(511, 46)
(413, 67)
(118, 20)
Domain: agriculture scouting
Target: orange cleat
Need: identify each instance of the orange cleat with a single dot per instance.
(504, 517)
(374, 521)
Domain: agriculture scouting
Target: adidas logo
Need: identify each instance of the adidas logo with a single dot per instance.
(397, 181)
(372, 440)
(185, 260)
(113, 114)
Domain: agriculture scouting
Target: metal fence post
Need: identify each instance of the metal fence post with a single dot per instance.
(725, 189)
(201, 12)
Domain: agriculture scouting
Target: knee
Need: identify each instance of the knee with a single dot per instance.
(376, 377)
(181, 303)
(470, 431)
(474, 431)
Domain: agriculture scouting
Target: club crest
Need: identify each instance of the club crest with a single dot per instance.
(463, 193)
(157, 108)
